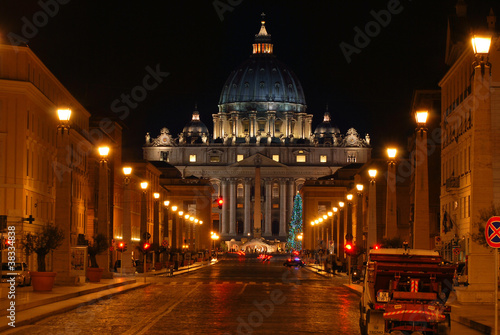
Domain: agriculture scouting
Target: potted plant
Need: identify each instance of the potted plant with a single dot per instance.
(97, 247)
(41, 243)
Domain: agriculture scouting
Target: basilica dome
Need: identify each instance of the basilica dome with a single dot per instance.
(325, 128)
(262, 82)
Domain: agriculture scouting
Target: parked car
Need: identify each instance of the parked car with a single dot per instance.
(294, 261)
(21, 272)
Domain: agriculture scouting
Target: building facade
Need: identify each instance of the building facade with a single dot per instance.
(262, 148)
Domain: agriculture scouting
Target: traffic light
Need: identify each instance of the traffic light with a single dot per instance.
(349, 249)
(220, 201)
(146, 246)
(121, 247)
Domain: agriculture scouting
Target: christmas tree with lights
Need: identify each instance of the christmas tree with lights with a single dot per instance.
(295, 232)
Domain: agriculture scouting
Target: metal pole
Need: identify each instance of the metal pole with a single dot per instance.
(144, 266)
(349, 268)
(496, 292)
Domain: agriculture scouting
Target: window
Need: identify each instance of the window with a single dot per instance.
(239, 158)
(275, 191)
(214, 159)
(239, 191)
(164, 156)
(276, 158)
(192, 158)
(322, 158)
(351, 158)
(275, 206)
(301, 158)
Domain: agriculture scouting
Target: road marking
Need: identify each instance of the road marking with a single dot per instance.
(243, 289)
(151, 321)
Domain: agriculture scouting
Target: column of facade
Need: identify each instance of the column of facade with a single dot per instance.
(273, 123)
(268, 207)
(215, 118)
(225, 206)
(247, 216)
(287, 124)
(300, 126)
(234, 118)
(290, 197)
(252, 126)
(283, 230)
(308, 127)
(391, 225)
(232, 207)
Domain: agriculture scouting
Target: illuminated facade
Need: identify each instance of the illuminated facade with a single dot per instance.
(261, 125)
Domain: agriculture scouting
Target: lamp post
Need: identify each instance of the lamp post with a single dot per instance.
(144, 216)
(174, 237)
(63, 204)
(329, 231)
(156, 225)
(166, 224)
(341, 230)
(391, 228)
(359, 216)
(420, 231)
(214, 238)
(126, 264)
(371, 238)
(348, 227)
(103, 224)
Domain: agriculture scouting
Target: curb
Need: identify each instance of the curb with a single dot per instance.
(54, 308)
(484, 329)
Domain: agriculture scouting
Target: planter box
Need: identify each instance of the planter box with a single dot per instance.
(94, 275)
(42, 281)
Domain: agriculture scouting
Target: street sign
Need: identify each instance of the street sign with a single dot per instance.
(146, 235)
(492, 232)
(456, 251)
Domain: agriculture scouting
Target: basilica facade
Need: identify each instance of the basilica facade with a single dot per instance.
(262, 147)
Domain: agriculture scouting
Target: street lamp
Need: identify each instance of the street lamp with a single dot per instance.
(359, 216)
(156, 224)
(391, 228)
(371, 237)
(421, 230)
(481, 46)
(126, 266)
(104, 226)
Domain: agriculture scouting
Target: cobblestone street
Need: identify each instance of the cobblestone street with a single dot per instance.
(231, 297)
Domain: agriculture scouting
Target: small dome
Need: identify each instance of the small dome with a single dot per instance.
(195, 127)
(325, 129)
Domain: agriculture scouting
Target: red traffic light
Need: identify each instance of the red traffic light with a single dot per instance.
(220, 202)
(122, 246)
(349, 249)
(146, 246)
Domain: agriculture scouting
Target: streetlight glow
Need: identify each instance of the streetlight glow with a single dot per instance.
(127, 170)
(349, 197)
(166, 203)
(359, 187)
(335, 209)
(391, 152)
(421, 117)
(156, 195)
(325, 217)
(144, 185)
(372, 173)
(330, 213)
(64, 114)
(181, 213)
(481, 44)
(341, 204)
(174, 208)
(103, 151)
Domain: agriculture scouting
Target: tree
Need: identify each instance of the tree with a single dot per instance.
(97, 247)
(479, 224)
(294, 243)
(50, 238)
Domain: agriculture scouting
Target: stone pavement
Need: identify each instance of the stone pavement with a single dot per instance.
(33, 306)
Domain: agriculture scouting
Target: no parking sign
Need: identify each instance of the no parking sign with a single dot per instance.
(492, 232)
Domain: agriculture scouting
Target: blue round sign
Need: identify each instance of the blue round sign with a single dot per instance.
(492, 232)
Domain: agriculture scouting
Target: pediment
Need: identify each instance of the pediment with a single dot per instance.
(258, 160)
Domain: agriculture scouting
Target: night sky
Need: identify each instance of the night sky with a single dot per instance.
(100, 50)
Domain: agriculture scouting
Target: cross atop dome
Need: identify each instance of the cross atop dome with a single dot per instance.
(263, 43)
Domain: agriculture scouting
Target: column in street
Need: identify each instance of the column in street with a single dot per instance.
(371, 238)
(63, 215)
(156, 223)
(247, 216)
(359, 217)
(283, 209)
(341, 231)
(103, 223)
(421, 229)
(225, 206)
(268, 207)
(391, 225)
(232, 207)
(126, 263)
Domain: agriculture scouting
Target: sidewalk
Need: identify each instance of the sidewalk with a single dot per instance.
(32, 306)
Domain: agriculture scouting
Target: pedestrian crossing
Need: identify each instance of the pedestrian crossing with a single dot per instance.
(229, 282)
